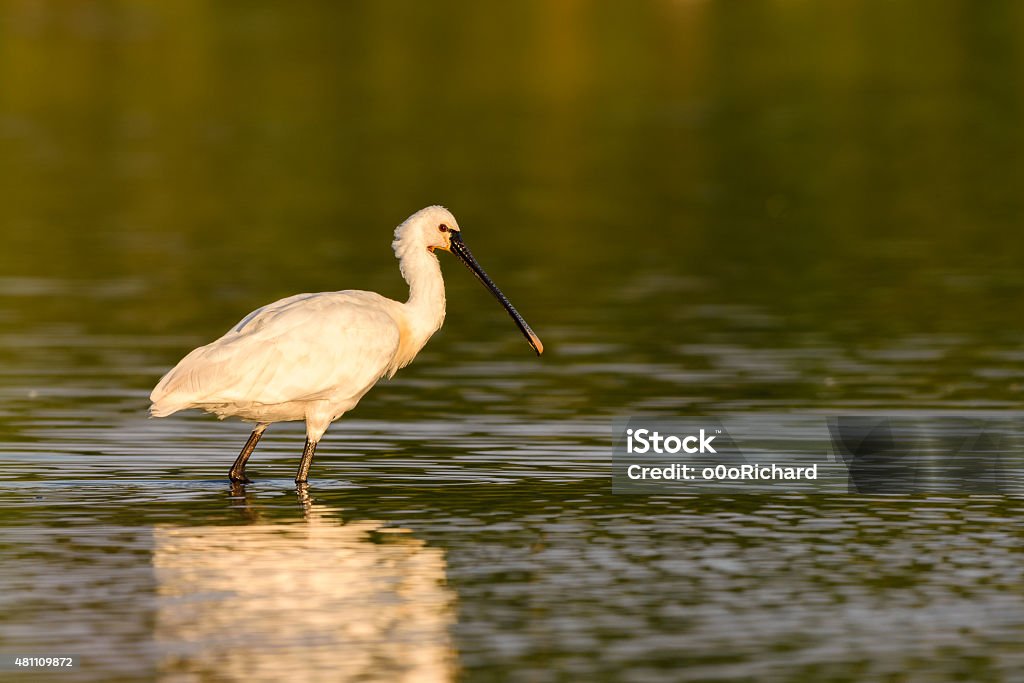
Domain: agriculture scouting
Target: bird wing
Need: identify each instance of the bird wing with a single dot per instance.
(303, 348)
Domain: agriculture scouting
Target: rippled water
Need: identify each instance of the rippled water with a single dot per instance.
(475, 534)
(761, 210)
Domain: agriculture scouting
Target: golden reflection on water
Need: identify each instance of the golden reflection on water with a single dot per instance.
(320, 599)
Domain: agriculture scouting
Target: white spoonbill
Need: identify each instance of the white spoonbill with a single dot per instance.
(312, 356)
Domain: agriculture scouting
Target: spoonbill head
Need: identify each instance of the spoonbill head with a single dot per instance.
(312, 357)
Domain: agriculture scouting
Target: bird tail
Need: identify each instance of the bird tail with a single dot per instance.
(166, 398)
(164, 408)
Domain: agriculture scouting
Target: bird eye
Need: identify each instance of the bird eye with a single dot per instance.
(443, 227)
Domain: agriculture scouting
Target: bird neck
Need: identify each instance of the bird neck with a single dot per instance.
(425, 306)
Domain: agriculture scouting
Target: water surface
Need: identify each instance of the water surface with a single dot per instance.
(703, 208)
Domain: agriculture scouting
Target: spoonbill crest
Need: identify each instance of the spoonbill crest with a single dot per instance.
(312, 356)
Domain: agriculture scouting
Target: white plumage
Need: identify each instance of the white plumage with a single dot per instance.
(313, 356)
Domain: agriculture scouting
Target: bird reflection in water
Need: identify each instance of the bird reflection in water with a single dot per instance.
(316, 599)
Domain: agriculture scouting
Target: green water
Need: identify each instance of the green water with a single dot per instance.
(702, 208)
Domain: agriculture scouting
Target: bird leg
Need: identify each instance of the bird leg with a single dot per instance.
(307, 460)
(237, 473)
(302, 490)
